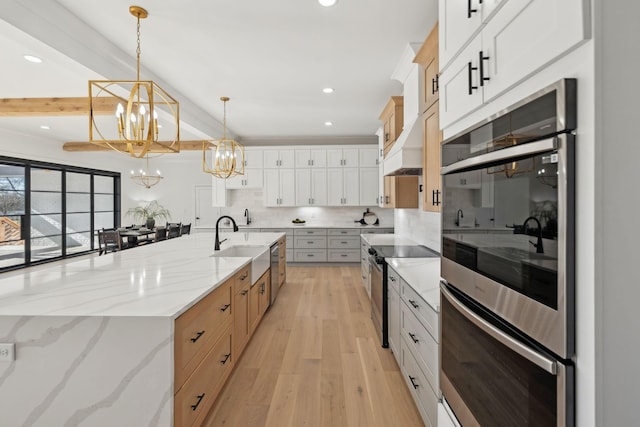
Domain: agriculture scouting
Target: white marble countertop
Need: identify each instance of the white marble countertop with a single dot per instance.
(160, 279)
(423, 275)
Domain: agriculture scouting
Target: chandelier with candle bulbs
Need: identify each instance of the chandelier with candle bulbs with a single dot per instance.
(145, 177)
(228, 154)
(145, 118)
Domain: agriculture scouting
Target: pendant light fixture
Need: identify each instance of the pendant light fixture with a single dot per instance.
(145, 117)
(146, 178)
(228, 154)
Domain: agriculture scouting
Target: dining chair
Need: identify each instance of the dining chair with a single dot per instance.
(186, 229)
(111, 241)
(161, 234)
(173, 230)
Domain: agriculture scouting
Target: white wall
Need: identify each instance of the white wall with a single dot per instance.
(617, 151)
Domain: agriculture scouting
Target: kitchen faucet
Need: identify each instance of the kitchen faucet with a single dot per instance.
(459, 215)
(538, 245)
(246, 214)
(216, 247)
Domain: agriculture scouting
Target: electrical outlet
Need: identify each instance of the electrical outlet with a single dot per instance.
(7, 352)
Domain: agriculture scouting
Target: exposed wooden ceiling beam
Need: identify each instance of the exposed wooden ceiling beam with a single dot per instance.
(32, 107)
(87, 146)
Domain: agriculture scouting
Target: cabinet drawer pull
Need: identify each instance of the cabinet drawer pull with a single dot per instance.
(197, 337)
(481, 66)
(344, 255)
(224, 307)
(200, 397)
(343, 232)
(244, 276)
(344, 243)
(413, 383)
(470, 70)
(310, 255)
(226, 357)
(393, 279)
(244, 292)
(413, 338)
(311, 243)
(469, 10)
(413, 303)
(262, 289)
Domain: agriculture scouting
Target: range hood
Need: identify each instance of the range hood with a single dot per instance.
(405, 157)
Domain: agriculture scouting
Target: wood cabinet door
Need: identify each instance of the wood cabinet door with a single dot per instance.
(264, 293)
(431, 162)
(429, 69)
(254, 307)
(240, 319)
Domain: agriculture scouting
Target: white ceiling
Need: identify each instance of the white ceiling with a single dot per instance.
(271, 58)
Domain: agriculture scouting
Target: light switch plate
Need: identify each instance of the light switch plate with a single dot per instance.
(7, 352)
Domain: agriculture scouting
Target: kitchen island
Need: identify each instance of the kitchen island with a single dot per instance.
(94, 335)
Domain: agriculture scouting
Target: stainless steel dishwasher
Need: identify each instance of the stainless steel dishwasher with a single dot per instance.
(275, 272)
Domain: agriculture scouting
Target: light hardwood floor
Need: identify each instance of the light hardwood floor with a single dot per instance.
(315, 360)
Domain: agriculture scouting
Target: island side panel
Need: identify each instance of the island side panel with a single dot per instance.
(87, 371)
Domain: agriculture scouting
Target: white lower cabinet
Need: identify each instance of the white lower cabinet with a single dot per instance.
(445, 419)
(393, 306)
(279, 187)
(426, 400)
(414, 328)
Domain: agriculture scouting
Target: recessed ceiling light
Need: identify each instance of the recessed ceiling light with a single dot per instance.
(328, 90)
(33, 59)
(327, 3)
(328, 123)
(45, 127)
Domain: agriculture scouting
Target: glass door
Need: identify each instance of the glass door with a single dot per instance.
(12, 215)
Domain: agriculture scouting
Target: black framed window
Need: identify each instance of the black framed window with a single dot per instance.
(51, 211)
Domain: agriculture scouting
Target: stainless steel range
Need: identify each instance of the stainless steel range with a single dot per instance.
(378, 278)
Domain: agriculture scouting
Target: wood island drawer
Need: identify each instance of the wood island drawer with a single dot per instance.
(193, 401)
(310, 242)
(423, 311)
(241, 278)
(197, 329)
(344, 242)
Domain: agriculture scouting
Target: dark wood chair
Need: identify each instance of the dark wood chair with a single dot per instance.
(161, 234)
(109, 241)
(173, 230)
(186, 229)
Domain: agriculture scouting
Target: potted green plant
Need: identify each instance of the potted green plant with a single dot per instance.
(149, 213)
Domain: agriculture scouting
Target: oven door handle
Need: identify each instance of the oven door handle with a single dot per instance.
(505, 154)
(531, 355)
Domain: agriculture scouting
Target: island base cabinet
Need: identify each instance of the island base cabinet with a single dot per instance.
(423, 395)
(259, 300)
(196, 397)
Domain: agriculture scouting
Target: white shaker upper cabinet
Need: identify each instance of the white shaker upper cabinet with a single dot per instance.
(313, 158)
(340, 158)
(343, 186)
(369, 186)
(368, 157)
(253, 159)
(311, 187)
(279, 159)
(279, 187)
(521, 38)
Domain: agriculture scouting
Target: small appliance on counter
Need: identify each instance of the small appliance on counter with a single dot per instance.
(368, 218)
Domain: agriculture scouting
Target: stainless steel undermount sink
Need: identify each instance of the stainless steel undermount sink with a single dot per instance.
(260, 257)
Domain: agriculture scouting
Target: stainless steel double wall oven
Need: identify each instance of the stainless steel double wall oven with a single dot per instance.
(507, 298)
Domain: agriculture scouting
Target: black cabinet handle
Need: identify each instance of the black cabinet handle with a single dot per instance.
(470, 70)
(200, 397)
(224, 307)
(413, 337)
(435, 197)
(244, 276)
(262, 289)
(197, 337)
(386, 137)
(393, 279)
(244, 292)
(413, 383)
(469, 10)
(435, 84)
(226, 357)
(413, 303)
(482, 58)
